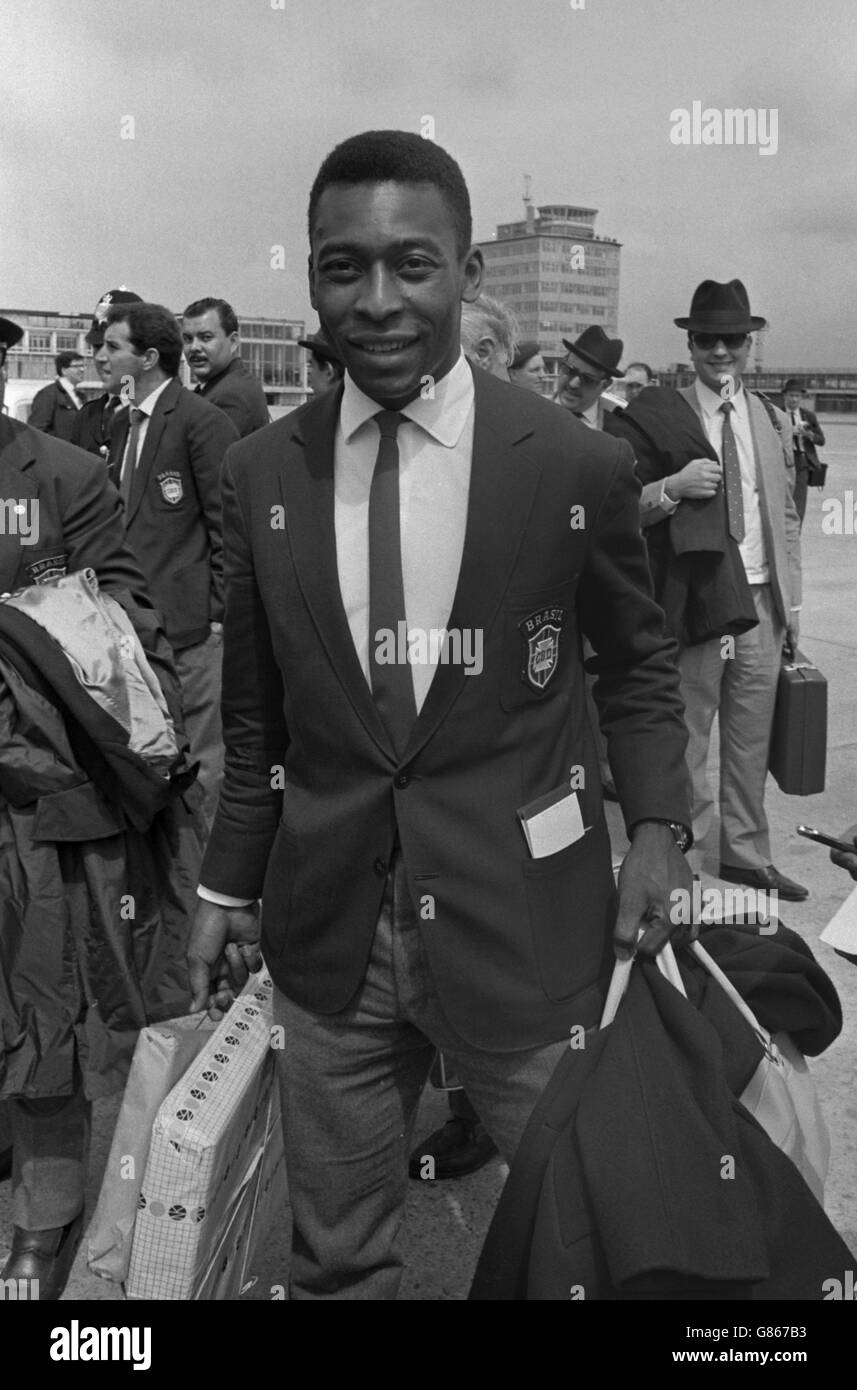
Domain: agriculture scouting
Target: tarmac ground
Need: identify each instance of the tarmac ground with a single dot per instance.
(446, 1221)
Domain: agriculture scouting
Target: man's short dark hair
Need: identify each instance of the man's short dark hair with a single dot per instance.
(397, 156)
(65, 359)
(225, 312)
(152, 326)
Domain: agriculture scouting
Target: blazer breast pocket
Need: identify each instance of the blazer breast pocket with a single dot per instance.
(539, 645)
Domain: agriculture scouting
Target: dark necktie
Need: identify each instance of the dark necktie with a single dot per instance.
(126, 482)
(392, 682)
(108, 415)
(732, 476)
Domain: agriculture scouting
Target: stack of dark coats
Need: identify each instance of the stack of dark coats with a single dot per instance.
(100, 846)
(640, 1174)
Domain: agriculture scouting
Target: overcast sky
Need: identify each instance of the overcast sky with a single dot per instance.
(236, 102)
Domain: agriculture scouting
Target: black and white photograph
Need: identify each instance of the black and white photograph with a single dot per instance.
(428, 667)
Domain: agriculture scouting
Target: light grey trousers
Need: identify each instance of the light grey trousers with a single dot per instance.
(735, 679)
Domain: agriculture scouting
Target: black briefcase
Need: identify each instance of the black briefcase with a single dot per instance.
(799, 735)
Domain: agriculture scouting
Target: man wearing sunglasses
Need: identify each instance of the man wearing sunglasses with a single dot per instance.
(724, 550)
(584, 375)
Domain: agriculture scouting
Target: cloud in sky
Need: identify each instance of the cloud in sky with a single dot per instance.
(235, 103)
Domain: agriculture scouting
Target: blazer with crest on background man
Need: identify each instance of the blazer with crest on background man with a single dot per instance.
(166, 452)
(401, 906)
(724, 546)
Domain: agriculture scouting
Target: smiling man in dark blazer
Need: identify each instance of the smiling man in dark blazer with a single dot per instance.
(166, 450)
(423, 821)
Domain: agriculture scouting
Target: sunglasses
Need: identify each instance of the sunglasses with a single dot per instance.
(710, 340)
(572, 373)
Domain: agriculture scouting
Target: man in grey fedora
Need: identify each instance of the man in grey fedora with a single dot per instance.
(724, 550)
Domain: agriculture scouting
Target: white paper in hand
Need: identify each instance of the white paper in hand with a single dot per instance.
(841, 930)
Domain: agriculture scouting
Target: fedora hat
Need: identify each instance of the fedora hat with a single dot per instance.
(10, 333)
(95, 336)
(597, 349)
(319, 344)
(792, 385)
(720, 308)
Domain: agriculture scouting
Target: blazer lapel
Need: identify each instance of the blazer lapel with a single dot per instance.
(309, 507)
(770, 480)
(503, 482)
(164, 405)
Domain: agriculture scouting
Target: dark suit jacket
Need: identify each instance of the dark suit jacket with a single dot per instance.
(88, 430)
(173, 517)
(78, 517)
(517, 945)
(617, 1186)
(666, 431)
(53, 411)
(807, 457)
(238, 394)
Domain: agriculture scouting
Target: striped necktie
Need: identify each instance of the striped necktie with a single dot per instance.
(732, 476)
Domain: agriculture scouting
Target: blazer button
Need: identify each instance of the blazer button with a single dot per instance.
(403, 779)
(380, 868)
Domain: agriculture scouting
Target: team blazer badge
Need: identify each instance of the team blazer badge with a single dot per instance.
(541, 633)
(172, 489)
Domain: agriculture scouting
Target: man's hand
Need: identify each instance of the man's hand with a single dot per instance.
(793, 632)
(847, 861)
(699, 478)
(223, 949)
(653, 869)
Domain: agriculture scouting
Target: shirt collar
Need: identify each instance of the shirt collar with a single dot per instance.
(711, 401)
(590, 414)
(148, 405)
(67, 387)
(443, 415)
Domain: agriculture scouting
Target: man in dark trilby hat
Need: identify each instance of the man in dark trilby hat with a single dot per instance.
(584, 375)
(724, 547)
(325, 369)
(806, 435)
(94, 421)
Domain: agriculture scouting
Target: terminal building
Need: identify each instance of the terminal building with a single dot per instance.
(557, 276)
(269, 346)
(829, 390)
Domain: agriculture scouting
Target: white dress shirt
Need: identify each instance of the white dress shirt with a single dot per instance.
(435, 455)
(146, 406)
(752, 547)
(70, 391)
(435, 450)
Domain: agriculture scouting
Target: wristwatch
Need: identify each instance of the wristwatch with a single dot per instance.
(681, 834)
